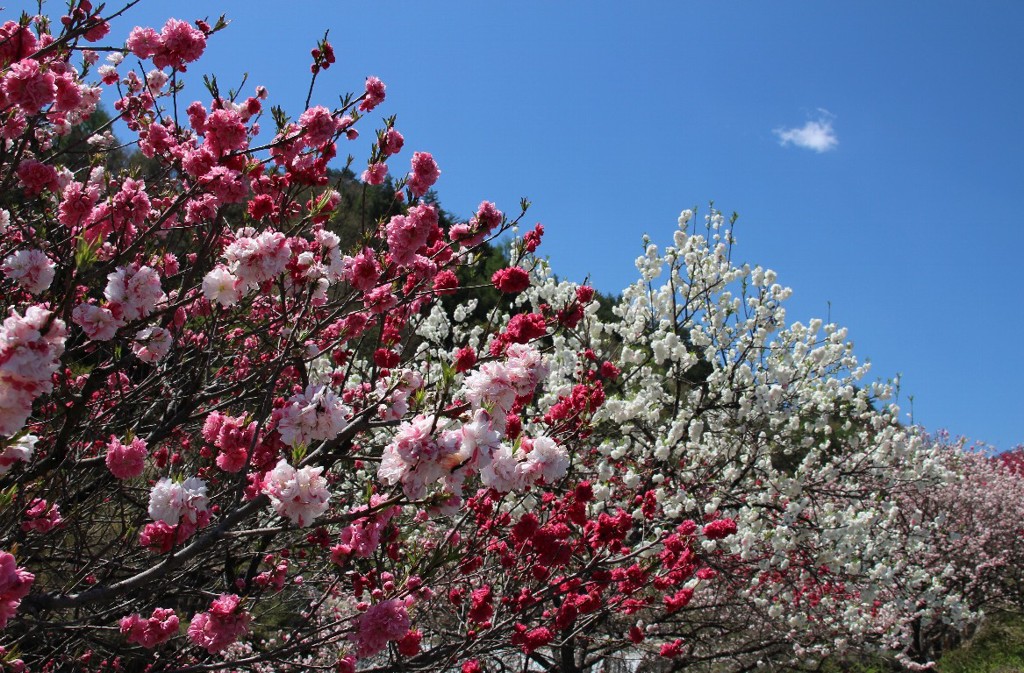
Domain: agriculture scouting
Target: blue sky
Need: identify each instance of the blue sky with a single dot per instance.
(612, 117)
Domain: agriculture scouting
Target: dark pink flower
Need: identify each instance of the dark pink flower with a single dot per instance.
(511, 280)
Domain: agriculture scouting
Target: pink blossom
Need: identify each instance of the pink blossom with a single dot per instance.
(76, 204)
(69, 93)
(362, 537)
(126, 461)
(28, 87)
(424, 173)
(227, 185)
(156, 139)
(362, 271)
(143, 42)
(16, 42)
(380, 300)
(180, 43)
(319, 126)
(380, 624)
(392, 142)
(446, 282)
(31, 269)
(298, 495)
(158, 629)
(160, 537)
(130, 206)
(15, 583)
(225, 132)
(99, 324)
(486, 219)
(232, 436)
(374, 94)
(374, 174)
(408, 233)
(41, 517)
(224, 623)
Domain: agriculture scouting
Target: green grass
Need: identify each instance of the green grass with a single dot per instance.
(997, 647)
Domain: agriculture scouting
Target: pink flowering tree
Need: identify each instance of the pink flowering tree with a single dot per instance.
(236, 434)
(228, 436)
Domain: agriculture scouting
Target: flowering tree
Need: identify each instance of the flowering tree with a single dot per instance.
(237, 436)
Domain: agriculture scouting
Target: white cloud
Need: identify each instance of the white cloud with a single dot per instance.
(817, 135)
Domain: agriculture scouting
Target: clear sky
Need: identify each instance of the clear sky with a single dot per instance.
(874, 150)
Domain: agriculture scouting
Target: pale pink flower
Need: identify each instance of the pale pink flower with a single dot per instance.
(152, 343)
(525, 368)
(20, 450)
(255, 260)
(547, 460)
(221, 286)
(491, 385)
(415, 458)
(136, 291)
(31, 269)
(99, 324)
(315, 414)
(298, 495)
(171, 501)
(505, 471)
(28, 359)
(126, 461)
